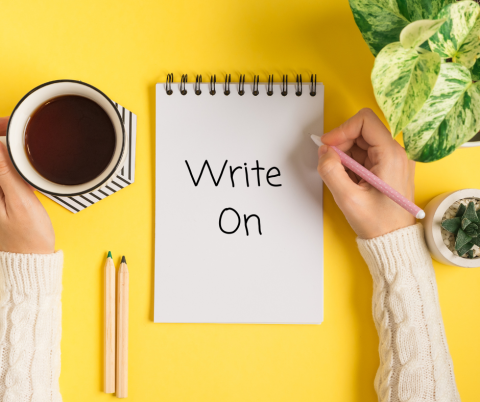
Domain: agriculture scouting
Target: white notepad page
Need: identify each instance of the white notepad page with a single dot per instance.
(203, 275)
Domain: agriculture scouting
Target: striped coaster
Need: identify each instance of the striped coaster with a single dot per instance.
(125, 178)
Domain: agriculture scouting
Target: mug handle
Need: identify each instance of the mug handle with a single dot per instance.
(3, 140)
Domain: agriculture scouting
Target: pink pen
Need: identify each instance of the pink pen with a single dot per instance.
(380, 185)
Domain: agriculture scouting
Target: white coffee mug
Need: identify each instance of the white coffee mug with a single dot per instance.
(15, 139)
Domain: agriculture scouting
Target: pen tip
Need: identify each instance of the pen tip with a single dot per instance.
(109, 254)
(124, 261)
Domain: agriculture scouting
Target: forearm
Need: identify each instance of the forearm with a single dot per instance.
(30, 326)
(415, 363)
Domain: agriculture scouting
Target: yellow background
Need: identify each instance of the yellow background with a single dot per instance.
(124, 48)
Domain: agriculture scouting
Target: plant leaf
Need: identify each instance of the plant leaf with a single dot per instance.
(416, 33)
(452, 225)
(462, 250)
(478, 214)
(470, 253)
(402, 80)
(470, 231)
(458, 36)
(476, 241)
(449, 117)
(461, 210)
(381, 21)
(470, 213)
(461, 239)
(475, 70)
(414, 10)
(469, 52)
(465, 223)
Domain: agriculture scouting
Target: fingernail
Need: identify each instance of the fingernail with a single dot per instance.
(316, 139)
(323, 150)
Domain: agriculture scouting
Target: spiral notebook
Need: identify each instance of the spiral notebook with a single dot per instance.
(239, 217)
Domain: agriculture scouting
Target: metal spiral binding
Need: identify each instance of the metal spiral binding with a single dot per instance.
(169, 84)
(227, 84)
(285, 85)
(241, 85)
(270, 85)
(197, 86)
(183, 84)
(298, 86)
(213, 81)
(313, 90)
(256, 79)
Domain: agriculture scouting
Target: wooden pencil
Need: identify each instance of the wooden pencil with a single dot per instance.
(122, 331)
(109, 327)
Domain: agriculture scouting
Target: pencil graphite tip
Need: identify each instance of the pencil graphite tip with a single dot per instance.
(124, 261)
(109, 254)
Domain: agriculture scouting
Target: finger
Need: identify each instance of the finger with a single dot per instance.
(352, 176)
(411, 179)
(348, 145)
(361, 143)
(344, 146)
(334, 175)
(366, 124)
(368, 163)
(359, 154)
(3, 125)
(10, 181)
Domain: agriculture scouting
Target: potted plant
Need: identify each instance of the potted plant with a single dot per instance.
(452, 228)
(427, 62)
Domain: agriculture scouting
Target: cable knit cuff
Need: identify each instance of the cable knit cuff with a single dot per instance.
(31, 273)
(402, 248)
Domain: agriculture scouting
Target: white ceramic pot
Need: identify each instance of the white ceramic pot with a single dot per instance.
(434, 212)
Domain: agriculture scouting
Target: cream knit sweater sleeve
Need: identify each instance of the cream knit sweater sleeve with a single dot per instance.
(30, 327)
(415, 364)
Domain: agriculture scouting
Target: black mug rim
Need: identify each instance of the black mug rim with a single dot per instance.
(114, 170)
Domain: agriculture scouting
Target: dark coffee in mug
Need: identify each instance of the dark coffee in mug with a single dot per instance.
(70, 140)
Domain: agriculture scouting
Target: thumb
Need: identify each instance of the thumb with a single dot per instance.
(3, 125)
(10, 181)
(5, 164)
(334, 174)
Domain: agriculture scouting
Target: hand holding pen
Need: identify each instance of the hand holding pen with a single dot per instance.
(365, 139)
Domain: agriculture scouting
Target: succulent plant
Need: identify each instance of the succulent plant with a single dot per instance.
(466, 229)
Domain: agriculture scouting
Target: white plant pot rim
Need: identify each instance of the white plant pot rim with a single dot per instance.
(470, 144)
(434, 211)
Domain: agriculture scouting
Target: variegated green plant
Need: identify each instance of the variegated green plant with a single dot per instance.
(465, 226)
(428, 56)
(381, 21)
